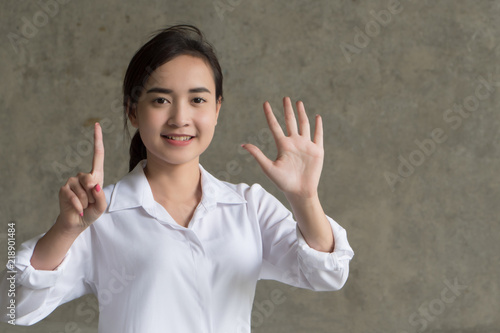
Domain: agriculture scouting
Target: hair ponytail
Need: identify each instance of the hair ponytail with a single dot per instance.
(137, 151)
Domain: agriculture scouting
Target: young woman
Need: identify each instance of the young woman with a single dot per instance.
(169, 248)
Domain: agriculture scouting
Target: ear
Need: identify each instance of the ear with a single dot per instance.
(132, 114)
(217, 109)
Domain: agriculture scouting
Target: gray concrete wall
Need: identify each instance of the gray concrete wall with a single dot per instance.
(412, 139)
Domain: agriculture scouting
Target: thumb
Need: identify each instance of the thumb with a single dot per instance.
(100, 199)
(264, 162)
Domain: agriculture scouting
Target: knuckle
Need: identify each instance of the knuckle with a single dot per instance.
(76, 203)
(68, 186)
(86, 181)
(80, 194)
(83, 177)
(62, 190)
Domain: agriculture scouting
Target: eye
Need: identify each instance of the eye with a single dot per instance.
(161, 100)
(199, 100)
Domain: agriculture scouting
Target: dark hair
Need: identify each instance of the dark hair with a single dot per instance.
(164, 45)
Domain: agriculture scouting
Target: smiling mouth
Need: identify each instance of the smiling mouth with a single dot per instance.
(178, 138)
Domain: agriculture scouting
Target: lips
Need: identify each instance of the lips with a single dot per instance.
(178, 140)
(178, 137)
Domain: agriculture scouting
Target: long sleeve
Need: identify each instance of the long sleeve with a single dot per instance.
(39, 292)
(286, 255)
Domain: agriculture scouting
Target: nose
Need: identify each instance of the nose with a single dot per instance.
(179, 115)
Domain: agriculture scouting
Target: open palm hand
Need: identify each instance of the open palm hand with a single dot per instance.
(297, 168)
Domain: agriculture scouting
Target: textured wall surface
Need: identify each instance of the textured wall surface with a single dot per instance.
(409, 92)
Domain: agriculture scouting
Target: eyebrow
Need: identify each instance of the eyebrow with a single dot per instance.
(170, 91)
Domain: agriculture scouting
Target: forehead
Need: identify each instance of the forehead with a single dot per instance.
(184, 71)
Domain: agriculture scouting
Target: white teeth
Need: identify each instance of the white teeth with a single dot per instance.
(179, 138)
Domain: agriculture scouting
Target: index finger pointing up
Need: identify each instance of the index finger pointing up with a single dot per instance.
(98, 160)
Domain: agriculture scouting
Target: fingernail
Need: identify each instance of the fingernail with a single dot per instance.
(81, 214)
(98, 188)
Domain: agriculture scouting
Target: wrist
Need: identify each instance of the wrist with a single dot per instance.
(312, 222)
(63, 231)
(302, 199)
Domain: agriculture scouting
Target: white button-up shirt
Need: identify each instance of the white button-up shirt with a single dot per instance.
(152, 275)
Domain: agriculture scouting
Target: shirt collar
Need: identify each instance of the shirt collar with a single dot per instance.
(133, 190)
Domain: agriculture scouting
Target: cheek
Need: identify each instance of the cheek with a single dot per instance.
(152, 119)
(208, 122)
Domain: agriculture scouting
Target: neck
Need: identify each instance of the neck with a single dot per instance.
(174, 183)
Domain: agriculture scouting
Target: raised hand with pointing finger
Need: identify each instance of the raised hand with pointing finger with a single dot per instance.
(81, 199)
(81, 202)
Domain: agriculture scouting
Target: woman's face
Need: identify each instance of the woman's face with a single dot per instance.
(177, 111)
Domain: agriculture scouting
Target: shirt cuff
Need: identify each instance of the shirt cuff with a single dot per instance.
(334, 261)
(29, 276)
